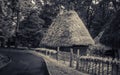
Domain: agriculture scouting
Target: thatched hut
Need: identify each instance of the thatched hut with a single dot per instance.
(111, 36)
(67, 30)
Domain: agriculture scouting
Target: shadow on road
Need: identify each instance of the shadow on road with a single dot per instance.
(24, 64)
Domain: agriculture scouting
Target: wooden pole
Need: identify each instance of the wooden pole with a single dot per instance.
(115, 64)
(71, 57)
(46, 52)
(95, 66)
(103, 68)
(119, 53)
(77, 61)
(57, 55)
(92, 65)
(115, 68)
(107, 67)
(99, 63)
(49, 53)
(119, 63)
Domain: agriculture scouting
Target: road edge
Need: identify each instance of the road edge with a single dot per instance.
(36, 54)
(4, 65)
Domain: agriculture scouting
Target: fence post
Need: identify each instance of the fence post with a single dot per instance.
(71, 57)
(99, 66)
(107, 67)
(49, 53)
(85, 65)
(77, 60)
(57, 54)
(46, 52)
(115, 67)
(80, 65)
(112, 67)
(89, 63)
(95, 66)
(102, 67)
(119, 62)
(92, 66)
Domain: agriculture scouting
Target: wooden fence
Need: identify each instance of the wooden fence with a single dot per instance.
(88, 64)
(99, 65)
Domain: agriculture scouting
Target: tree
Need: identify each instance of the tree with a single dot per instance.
(6, 24)
(30, 29)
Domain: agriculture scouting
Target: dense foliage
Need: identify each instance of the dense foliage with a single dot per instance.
(33, 15)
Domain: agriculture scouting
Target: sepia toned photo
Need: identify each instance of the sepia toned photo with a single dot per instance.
(59, 37)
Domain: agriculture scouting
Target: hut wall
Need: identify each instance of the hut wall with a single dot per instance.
(83, 49)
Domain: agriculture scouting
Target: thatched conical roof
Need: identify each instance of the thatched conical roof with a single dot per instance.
(111, 36)
(67, 30)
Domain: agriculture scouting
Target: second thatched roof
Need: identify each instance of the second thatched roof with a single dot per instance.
(67, 30)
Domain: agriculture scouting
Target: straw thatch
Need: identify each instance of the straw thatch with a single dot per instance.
(111, 36)
(67, 30)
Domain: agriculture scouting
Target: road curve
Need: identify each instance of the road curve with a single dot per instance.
(24, 64)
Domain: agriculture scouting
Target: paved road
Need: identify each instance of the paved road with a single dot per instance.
(24, 64)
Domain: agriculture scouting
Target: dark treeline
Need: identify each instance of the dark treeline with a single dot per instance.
(29, 18)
